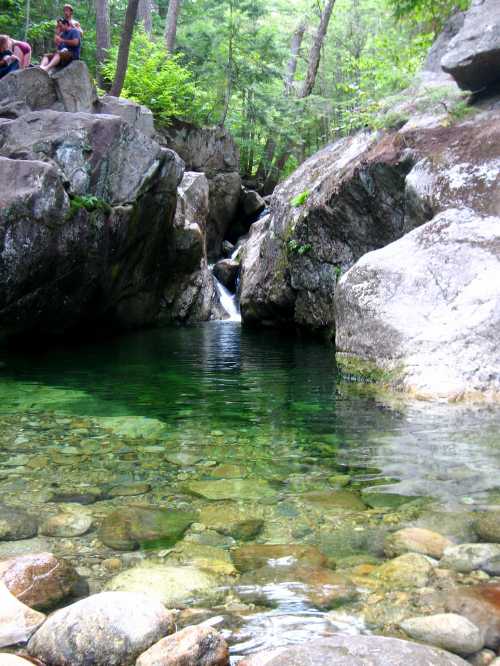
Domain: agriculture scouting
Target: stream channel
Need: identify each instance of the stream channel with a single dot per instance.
(256, 433)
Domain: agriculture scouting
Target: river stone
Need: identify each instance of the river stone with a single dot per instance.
(406, 571)
(445, 630)
(481, 605)
(39, 581)
(130, 527)
(192, 646)
(232, 489)
(9, 549)
(16, 524)
(205, 557)
(17, 621)
(238, 521)
(416, 540)
(487, 527)
(106, 629)
(133, 426)
(470, 556)
(355, 651)
(254, 556)
(389, 500)
(174, 586)
(342, 500)
(455, 525)
(129, 489)
(69, 523)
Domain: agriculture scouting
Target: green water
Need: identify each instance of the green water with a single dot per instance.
(259, 412)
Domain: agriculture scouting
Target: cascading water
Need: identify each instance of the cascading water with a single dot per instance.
(228, 301)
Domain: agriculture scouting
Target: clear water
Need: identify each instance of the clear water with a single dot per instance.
(268, 405)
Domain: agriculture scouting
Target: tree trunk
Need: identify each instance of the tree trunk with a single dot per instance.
(229, 68)
(295, 45)
(315, 52)
(27, 22)
(145, 16)
(123, 51)
(171, 24)
(102, 36)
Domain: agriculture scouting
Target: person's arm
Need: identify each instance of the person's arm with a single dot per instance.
(74, 40)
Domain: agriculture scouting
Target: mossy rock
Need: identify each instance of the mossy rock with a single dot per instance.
(232, 489)
(337, 500)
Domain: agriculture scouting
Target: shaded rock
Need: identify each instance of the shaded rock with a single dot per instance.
(481, 605)
(446, 630)
(226, 271)
(223, 203)
(39, 581)
(17, 621)
(174, 586)
(343, 500)
(31, 86)
(134, 526)
(106, 629)
(68, 523)
(74, 87)
(192, 298)
(255, 556)
(390, 340)
(231, 489)
(136, 115)
(473, 55)
(355, 651)
(487, 527)
(192, 646)
(416, 540)
(16, 524)
(482, 658)
(470, 556)
(451, 28)
(251, 202)
(406, 571)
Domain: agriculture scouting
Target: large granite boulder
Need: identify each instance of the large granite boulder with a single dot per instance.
(423, 313)
(74, 87)
(225, 190)
(192, 298)
(32, 86)
(473, 55)
(137, 116)
(441, 45)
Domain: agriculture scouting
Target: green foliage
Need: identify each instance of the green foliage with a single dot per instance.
(88, 202)
(293, 246)
(157, 80)
(300, 199)
(431, 13)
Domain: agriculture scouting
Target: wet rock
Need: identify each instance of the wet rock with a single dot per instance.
(183, 458)
(174, 586)
(473, 55)
(487, 527)
(68, 523)
(230, 519)
(192, 298)
(10, 549)
(106, 629)
(226, 271)
(480, 604)
(207, 558)
(192, 646)
(406, 571)
(129, 489)
(17, 621)
(232, 489)
(355, 651)
(134, 426)
(454, 525)
(224, 198)
(470, 556)
(386, 500)
(446, 630)
(416, 540)
(130, 527)
(16, 524)
(389, 338)
(254, 556)
(74, 497)
(342, 500)
(39, 581)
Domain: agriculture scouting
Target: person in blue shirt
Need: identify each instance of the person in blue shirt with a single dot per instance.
(8, 61)
(68, 41)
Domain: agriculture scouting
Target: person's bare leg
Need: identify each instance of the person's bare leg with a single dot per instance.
(56, 59)
(45, 62)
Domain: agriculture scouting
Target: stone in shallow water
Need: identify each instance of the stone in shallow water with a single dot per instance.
(258, 555)
(389, 500)
(228, 471)
(10, 549)
(133, 426)
(106, 629)
(416, 540)
(208, 558)
(481, 605)
(16, 524)
(183, 458)
(233, 519)
(445, 630)
(130, 527)
(192, 646)
(232, 489)
(174, 586)
(69, 523)
(336, 500)
(355, 651)
(17, 621)
(487, 527)
(129, 489)
(39, 581)
(406, 571)
(470, 556)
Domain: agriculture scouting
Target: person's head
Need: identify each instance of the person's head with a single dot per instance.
(63, 24)
(4, 42)
(68, 12)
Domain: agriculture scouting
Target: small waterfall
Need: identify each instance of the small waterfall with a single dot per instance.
(228, 301)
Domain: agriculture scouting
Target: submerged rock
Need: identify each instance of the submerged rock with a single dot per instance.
(232, 489)
(192, 646)
(487, 527)
(446, 630)
(335, 500)
(470, 556)
(481, 605)
(416, 540)
(106, 629)
(254, 556)
(68, 523)
(16, 524)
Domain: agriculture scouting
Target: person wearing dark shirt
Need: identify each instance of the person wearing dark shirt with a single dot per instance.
(68, 47)
(8, 61)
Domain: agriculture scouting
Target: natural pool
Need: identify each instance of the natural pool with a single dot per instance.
(253, 434)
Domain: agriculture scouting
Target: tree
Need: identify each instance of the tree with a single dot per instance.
(145, 16)
(123, 51)
(102, 36)
(174, 7)
(315, 52)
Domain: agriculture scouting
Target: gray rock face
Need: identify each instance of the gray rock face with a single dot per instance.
(355, 651)
(441, 45)
(473, 55)
(137, 116)
(445, 276)
(225, 189)
(74, 88)
(191, 299)
(226, 271)
(106, 629)
(252, 203)
(32, 86)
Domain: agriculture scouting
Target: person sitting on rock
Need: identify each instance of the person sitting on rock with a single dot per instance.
(8, 61)
(23, 52)
(68, 47)
(68, 14)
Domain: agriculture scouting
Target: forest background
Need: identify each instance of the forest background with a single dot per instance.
(285, 77)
